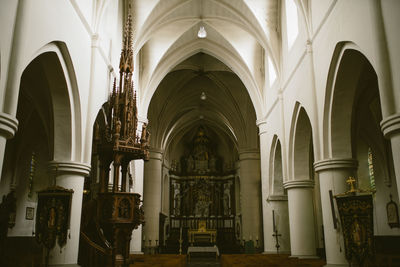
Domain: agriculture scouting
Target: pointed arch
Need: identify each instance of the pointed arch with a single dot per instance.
(300, 146)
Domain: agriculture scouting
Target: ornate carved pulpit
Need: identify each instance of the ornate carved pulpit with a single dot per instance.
(117, 142)
(356, 217)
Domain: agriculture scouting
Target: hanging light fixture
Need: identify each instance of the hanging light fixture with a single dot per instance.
(203, 96)
(202, 32)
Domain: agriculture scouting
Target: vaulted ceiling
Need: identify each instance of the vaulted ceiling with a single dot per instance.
(228, 65)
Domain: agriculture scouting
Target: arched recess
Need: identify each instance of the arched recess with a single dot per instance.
(276, 170)
(46, 130)
(352, 127)
(301, 145)
(344, 74)
(61, 77)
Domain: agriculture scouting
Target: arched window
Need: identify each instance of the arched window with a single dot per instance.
(292, 23)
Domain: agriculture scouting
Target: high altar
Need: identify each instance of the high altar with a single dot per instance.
(202, 196)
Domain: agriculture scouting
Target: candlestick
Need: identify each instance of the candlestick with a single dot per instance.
(273, 220)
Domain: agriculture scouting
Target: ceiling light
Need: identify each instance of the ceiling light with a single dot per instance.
(202, 32)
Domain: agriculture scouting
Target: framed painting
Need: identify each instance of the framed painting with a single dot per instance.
(30, 213)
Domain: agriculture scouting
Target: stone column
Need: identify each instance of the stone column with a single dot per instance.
(70, 175)
(250, 194)
(391, 130)
(265, 186)
(301, 218)
(152, 196)
(333, 174)
(136, 241)
(8, 127)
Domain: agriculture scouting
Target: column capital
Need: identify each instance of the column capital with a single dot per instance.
(143, 119)
(70, 167)
(262, 126)
(156, 153)
(298, 184)
(249, 154)
(390, 125)
(328, 164)
(8, 125)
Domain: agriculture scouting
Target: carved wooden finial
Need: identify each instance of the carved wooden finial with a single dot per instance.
(126, 61)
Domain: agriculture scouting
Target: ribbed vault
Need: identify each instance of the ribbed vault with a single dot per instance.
(177, 108)
(239, 33)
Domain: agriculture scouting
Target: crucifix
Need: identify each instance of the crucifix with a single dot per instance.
(275, 234)
(351, 181)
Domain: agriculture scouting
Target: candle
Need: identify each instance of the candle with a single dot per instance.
(251, 238)
(273, 220)
(180, 236)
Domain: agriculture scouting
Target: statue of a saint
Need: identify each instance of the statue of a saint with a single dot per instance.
(190, 164)
(177, 199)
(227, 199)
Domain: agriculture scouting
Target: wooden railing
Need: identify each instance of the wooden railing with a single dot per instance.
(92, 254)
(94, 249)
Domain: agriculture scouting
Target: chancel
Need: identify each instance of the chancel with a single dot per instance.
(187, 132)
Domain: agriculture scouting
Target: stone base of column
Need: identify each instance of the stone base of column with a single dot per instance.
(304, 256)
(274, 252)
(136, 252)
(66, 265)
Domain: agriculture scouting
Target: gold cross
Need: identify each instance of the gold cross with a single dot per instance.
(351, 181)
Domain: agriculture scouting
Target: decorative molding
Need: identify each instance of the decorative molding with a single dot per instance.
(8, 125)
(277, 198)
(328, 164)
(142, 119)
(69, 167)
(249, 154)
(262, 126)
(298, 184)
(156, 154)
(390, 125)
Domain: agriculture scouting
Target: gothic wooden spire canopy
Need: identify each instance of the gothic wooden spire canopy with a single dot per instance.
(122, 119)
(118, 209)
